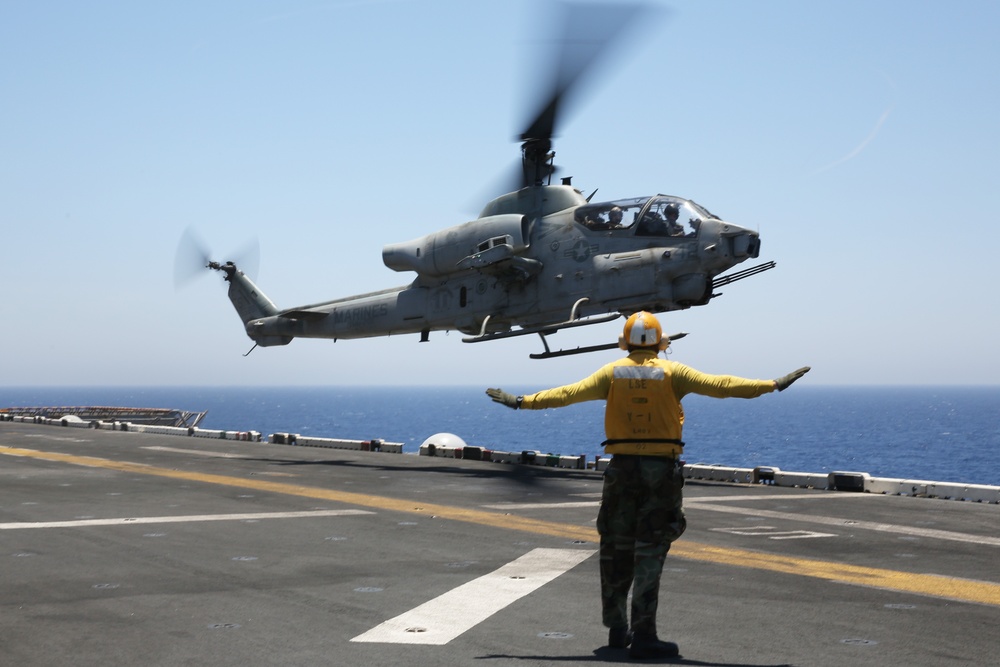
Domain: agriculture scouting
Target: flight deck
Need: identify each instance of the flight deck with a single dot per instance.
(124, 548)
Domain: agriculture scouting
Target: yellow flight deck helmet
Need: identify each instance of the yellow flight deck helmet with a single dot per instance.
(642, 329)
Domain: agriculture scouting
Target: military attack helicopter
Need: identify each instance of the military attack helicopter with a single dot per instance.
(536, 260)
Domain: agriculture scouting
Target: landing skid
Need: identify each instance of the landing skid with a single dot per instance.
(573, 321)
(548, 354)
(542, 330)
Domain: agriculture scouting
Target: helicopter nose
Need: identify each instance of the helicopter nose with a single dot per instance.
(744, 242)
(747, 244)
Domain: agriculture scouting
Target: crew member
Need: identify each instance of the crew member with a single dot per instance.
(641, 512)
(615, 217)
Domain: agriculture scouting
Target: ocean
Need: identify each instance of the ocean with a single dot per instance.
(946, 434)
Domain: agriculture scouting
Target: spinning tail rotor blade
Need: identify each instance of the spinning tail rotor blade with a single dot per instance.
(193, 257)
(248, 258)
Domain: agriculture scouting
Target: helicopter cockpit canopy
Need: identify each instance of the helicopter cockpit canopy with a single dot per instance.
(661, 215)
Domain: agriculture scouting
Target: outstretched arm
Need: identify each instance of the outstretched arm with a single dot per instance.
(592, 388)
(689, 381)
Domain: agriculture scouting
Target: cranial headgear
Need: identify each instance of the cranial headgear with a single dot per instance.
(642, 329)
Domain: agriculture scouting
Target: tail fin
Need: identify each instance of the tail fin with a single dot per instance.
(251, 304)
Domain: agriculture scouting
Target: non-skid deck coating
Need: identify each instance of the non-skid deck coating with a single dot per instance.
(121, 548)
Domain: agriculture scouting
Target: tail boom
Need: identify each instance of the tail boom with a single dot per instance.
(251, 304)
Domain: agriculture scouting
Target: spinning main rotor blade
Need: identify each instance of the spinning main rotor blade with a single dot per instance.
(587, 32)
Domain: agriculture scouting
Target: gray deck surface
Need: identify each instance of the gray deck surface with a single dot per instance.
(127, 549)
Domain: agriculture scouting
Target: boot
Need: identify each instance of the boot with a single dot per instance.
(648, 647)
(619, 637)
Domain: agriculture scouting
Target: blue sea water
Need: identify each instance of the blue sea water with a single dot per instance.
(947, 434)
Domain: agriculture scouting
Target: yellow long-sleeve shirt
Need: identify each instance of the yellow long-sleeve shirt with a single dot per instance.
(643, 414)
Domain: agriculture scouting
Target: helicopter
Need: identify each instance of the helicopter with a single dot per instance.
(541, 258)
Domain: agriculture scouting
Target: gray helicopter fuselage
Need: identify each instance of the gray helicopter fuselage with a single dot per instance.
(543, 257)
(537, 257)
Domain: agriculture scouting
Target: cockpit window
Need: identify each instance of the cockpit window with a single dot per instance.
(620, 214)
(671, 216)
(646, 216)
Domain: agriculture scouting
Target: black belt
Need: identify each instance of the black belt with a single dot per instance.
(642, 441)
(659, 457)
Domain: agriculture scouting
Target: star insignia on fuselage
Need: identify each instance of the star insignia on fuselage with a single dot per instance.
(581, 251)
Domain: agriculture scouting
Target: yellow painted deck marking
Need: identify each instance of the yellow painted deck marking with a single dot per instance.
(491, 519)
(964, 590)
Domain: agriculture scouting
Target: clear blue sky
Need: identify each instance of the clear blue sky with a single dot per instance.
(860, 137)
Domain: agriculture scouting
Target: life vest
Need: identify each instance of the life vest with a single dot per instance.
(643, 416)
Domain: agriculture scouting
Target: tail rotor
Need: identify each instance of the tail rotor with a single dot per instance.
(193, 257)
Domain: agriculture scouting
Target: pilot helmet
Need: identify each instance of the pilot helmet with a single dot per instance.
(643, 330)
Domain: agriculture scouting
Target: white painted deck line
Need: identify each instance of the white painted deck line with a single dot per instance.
(447, 616)
(131, 521)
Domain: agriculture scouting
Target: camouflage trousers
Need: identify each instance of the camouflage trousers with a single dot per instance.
(640, 517)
